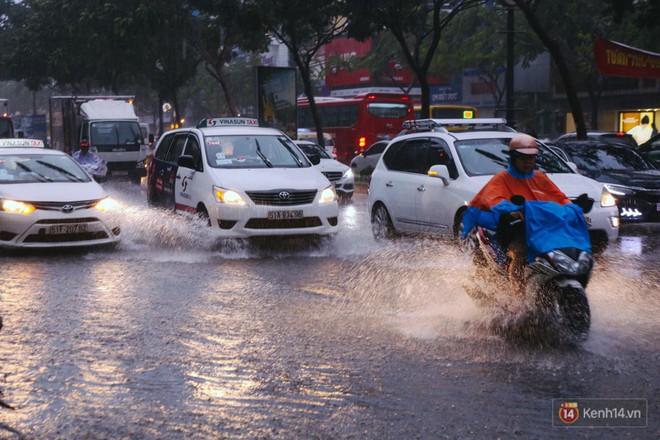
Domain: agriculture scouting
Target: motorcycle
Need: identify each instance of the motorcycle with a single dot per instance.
(551, 307)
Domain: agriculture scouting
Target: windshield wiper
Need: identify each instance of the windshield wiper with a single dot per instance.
(493, 157)
(300, 164)
(41, 177)
(261, 155)
(68, 174)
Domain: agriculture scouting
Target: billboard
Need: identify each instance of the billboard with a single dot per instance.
(276, 98)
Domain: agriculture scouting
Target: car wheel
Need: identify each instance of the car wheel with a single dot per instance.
(381, 224)
(203, 215)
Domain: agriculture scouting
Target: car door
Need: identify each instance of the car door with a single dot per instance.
(434, 204)
(404, 161)
(169, 170)
(158, 172)
(187, 187)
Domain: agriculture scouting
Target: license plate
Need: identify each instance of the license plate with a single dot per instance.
(66, 229)
(285, 215)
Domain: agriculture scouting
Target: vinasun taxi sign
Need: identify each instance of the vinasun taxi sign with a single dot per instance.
(616, 59)
(21, 143)
(218, 122)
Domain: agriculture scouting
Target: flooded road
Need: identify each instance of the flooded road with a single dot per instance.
(178, 335)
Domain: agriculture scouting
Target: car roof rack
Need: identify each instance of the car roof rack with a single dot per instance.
(447, 125)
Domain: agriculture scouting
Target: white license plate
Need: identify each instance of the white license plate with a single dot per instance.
(66, 229)
(285, 215)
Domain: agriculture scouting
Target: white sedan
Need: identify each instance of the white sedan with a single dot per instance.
(47, 200)
(336, 172)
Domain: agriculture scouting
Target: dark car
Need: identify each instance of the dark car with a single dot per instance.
(651, 150)
(604, 136)
(630, 178)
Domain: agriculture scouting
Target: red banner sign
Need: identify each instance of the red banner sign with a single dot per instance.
(616, 59)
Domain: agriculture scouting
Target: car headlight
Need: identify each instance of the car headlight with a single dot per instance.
(328, 195)
(348, 174)
(606, 198)
(17, 207)
(619, 190)
(228, 196)
(107, 204)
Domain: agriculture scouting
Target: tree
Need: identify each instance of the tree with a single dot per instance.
(416, 25)
(304, 27)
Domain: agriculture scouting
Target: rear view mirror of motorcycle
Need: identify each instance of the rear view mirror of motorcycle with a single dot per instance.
(441, 172)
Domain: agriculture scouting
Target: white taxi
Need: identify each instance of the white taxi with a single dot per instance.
(47, 200)
(425, 179)
(339, 174)
(247, 180)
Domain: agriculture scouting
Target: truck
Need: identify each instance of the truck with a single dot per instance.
(110, 126)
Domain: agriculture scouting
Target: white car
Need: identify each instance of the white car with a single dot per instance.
(247, 180)
(424, 180)
(364, 163)
(339, 174)
(47, 200)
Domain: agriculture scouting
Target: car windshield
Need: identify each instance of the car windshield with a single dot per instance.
(30, 168)
(486, 157)
(607, 158)
(311, 149)
(116, 133)
(253, 151)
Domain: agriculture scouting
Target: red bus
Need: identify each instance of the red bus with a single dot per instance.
(356, 123)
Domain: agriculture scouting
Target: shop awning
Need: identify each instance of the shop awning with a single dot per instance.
(616, 59)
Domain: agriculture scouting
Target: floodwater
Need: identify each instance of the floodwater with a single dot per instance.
(176, 334)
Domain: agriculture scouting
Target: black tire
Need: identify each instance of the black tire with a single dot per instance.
(203, 214)
(574, 308)
(381, 224)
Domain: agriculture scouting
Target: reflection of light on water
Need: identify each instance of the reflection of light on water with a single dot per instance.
(631, 245)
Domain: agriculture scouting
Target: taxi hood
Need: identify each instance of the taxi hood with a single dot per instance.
(260, 179)
(53, 192)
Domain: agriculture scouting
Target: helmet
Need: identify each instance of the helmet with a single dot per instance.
(523, 144)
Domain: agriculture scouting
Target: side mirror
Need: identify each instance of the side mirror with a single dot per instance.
(314, 158)
(440, 172)
(186, 161)
(572, 166)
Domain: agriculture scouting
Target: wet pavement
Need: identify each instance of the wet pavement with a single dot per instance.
(176, 334)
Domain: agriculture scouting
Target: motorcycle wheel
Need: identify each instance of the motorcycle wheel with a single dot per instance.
(574, 308)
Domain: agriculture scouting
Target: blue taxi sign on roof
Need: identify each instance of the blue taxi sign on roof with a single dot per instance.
(218, 122)
(21, 143)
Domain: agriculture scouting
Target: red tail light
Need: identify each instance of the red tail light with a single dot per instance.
(362, 142)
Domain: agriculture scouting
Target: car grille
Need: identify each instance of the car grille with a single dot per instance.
(274, 198)
(60, 221)
(333, 176)
(57, 206)
(263, 223)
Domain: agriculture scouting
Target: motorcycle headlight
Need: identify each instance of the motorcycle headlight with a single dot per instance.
(566, 265)
(228, 196)
(327, 195)
(606, 198)
(16, 207)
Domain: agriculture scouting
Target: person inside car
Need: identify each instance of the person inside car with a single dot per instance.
(497, 205)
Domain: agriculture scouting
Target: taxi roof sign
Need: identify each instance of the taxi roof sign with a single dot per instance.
(21, 143)
(218, 122)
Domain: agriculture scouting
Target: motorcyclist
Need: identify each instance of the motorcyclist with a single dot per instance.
(90, 161)
(494, 209)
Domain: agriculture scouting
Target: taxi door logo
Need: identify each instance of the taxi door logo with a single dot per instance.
(569, 412)
(184, 184)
